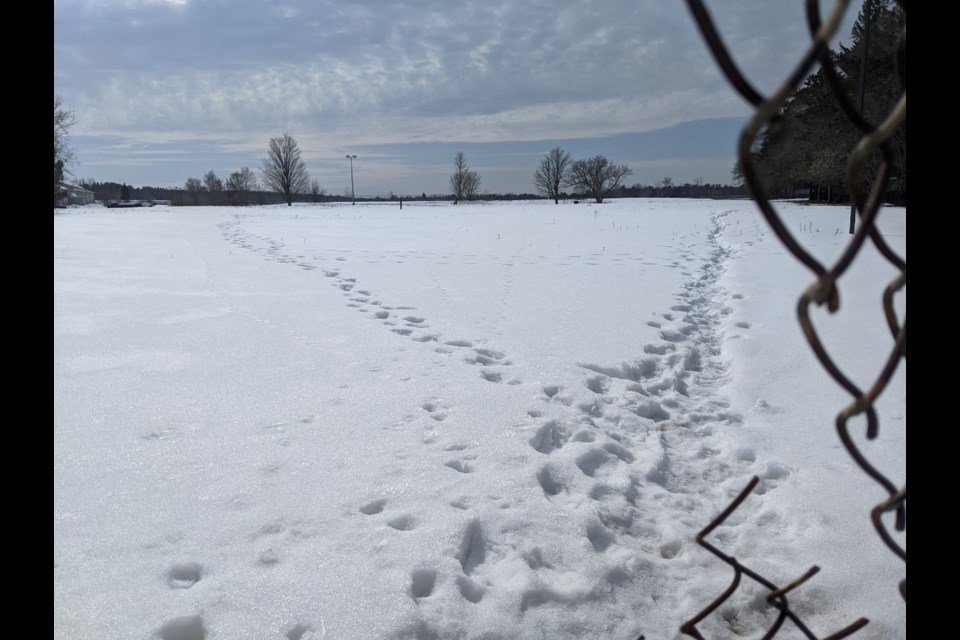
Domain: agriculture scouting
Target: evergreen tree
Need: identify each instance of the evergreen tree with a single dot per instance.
(809, 143)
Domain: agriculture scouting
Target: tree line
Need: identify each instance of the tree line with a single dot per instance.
(284, 178)
(282, 171)
(106, 191)
(560, 177)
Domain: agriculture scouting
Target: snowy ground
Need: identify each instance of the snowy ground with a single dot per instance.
(482, 421)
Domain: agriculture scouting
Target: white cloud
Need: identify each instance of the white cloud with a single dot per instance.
(367, 72)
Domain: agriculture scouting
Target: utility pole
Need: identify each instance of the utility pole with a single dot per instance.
(863, 82)
(353, 194)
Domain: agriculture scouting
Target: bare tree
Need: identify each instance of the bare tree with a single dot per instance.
(214, 187)
(597, 175)
(551, 173)
(283, 170)
(63, 157)
(212, 182)
(464, 182)
(666, 187)
(316, 190)
(240, 184)
(471, 184)
(193, 186)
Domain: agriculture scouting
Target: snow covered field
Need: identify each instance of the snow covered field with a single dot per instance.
(482, 421)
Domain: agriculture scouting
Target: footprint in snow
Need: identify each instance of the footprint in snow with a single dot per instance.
(184, 628)
(422, 582)
(551, 480)
(459, 465)
(300, 632)
(184, 576)
(473, 548)
(549, 437)
(470, 590)
(374, 507)
(402, 523)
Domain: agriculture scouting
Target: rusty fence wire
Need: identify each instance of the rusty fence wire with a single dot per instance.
(875, 138)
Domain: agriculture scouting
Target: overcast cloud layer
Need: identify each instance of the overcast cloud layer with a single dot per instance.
(168, 89)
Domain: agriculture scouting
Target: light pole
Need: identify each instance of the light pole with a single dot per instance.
(353, 194)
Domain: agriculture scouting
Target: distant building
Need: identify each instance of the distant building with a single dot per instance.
(75, 194)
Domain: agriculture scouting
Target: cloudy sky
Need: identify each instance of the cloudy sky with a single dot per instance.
(164, 90)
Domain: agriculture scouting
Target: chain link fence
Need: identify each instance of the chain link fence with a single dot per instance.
(868, 183)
